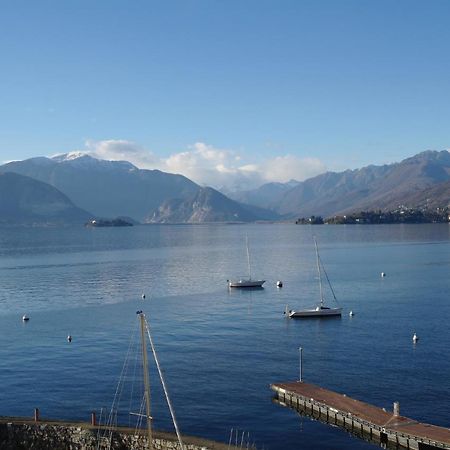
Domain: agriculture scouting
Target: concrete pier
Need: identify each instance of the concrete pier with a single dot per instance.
(362, 419)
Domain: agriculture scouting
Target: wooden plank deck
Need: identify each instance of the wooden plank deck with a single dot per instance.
(384, 421)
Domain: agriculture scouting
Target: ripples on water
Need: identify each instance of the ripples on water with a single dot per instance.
(221, 349)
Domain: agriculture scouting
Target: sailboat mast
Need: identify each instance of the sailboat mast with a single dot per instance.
(146, 382)
(248, 259)
(318, 270)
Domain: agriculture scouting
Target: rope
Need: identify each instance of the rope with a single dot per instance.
(111, 422)
(329, 283)
(166, 393)
(98, 429)
(141, 415)
(133, 378)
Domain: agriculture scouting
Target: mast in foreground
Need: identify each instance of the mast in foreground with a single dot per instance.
(146, 381)
(248, 259)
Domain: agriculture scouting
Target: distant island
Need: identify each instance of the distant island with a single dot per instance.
(108, 223)
(401, 215)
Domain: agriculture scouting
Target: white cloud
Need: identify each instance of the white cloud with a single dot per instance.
(224, 168)
(121, 150)
(208, 165)
(290, 167)
(205, 164)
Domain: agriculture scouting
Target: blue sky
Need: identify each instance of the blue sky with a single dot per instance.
(233, 86)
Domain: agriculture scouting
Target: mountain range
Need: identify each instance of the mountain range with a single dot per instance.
(414, 182)
(72, 188)
(107, 188)
(110, 189)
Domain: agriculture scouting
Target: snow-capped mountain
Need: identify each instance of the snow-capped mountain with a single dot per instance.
(106, 188)
(85, 161)
(118, 188)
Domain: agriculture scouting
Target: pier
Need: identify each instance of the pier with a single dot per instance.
(389, 429)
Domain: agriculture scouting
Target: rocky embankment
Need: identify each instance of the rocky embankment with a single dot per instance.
(19, 434)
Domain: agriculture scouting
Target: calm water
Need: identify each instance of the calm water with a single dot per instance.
(221, 349)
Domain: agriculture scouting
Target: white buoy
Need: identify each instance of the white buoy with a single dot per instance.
(25, 318)
(351, 313)
(383, 274)
(143, 296)
(279, 283)
(415, 338)
(69, 338)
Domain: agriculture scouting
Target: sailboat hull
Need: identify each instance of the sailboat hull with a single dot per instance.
(316, 312)
(246, 283)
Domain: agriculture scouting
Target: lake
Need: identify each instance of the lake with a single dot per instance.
(219, 348)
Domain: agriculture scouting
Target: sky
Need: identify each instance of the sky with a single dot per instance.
(230, 93)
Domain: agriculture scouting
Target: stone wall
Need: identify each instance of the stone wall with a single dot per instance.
(23, 435)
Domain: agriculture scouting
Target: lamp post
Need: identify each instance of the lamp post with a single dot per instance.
(300, 349)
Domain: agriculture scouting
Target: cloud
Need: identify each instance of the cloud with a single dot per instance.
(208, 165)
(225, 169)
(121, 150)
(290, 167)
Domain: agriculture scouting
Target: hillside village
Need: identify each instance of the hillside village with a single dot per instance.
(401, 215)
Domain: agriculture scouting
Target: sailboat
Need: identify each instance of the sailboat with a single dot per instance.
(320, 310)
(105, 434)
(246, 282)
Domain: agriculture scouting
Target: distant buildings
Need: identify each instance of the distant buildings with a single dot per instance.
(402, 214)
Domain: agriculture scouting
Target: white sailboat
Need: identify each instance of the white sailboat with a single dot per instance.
(246, 282)
(320, 310)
